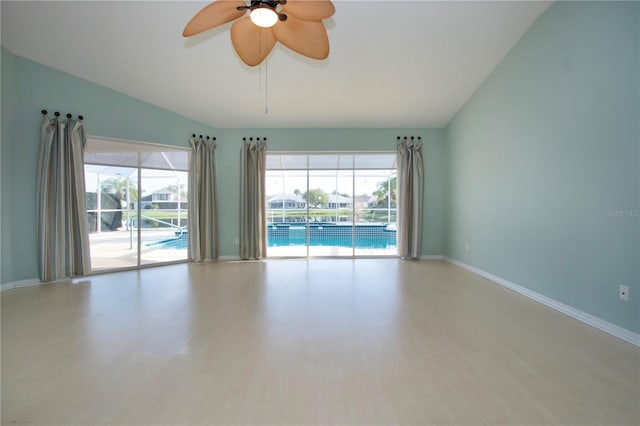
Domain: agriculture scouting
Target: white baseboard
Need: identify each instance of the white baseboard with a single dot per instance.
(593, 321)
(21, 283)
(217, 259)
(431, 257)
(229, 257)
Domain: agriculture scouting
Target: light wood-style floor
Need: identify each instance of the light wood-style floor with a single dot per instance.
(367, 341)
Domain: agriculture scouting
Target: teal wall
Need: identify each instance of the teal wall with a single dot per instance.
(530, 172)
(228, 157)
(545, 148)
(32, 87)
(7, 74)
(112, 114)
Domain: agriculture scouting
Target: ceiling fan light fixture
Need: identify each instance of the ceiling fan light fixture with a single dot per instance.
(264, 16)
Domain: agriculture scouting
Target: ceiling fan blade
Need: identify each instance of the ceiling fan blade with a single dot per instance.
(217, 13)
(309, 10)
(253, 43)
(308, 38)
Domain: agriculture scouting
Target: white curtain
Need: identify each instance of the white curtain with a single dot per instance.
(203, 213)
(253, 239)
(410, 195)
(63, 240)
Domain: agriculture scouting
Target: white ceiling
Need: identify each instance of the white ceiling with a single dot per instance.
(392, 63)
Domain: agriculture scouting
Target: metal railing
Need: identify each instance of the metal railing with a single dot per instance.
(133, 222)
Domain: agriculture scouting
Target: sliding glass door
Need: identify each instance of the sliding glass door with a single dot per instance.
(331, 204)
(136, 202)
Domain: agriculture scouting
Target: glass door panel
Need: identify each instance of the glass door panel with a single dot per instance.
(287, 219)
(163, 216)
(375, 212)
(111, 197)
(331, 213)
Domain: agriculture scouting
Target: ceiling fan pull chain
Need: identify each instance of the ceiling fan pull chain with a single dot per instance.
(266, 86)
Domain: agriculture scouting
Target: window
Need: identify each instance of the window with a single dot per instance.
(160, 197)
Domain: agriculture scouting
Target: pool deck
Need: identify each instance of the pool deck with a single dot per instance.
(111, 250)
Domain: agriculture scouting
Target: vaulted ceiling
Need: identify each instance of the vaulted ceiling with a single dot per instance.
(391, 64)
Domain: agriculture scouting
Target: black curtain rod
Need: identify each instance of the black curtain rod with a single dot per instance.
(251, 139)
(205, 137)
(409, 137)
(57, 114)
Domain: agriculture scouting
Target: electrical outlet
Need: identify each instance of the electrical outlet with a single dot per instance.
(237, 241)
(466, 246)
(624, 293)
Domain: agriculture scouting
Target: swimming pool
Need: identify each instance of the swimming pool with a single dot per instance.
(360, 236)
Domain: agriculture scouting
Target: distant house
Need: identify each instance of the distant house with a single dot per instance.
(164, 200)
(286, 201)
(337, 201)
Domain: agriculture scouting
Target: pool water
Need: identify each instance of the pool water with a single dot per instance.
(178, 243)
(360, 236)
(335, 235)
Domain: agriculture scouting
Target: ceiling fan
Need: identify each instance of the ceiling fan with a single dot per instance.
(297, 24)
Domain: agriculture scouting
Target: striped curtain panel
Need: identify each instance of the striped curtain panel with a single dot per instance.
(203, 213)
(63, 239)
(253, 223)
(410, 195)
